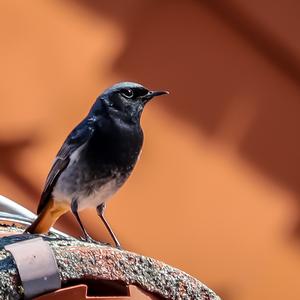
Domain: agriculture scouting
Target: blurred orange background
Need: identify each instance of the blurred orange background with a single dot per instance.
(216, 191)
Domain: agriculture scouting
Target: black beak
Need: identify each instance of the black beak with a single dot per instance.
(158, 93)
(153, 94)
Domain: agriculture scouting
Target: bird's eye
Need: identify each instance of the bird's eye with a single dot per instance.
(128, 93)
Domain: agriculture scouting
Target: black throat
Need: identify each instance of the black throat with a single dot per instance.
(116, 142)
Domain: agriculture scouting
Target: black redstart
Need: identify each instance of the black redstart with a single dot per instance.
(96, 158)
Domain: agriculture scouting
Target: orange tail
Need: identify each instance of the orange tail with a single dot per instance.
(48, 216)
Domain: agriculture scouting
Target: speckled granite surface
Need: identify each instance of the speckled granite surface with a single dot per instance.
(77, 259)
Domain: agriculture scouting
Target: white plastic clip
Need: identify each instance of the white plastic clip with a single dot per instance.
(36, 265)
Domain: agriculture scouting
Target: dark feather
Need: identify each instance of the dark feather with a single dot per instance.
(79, 136)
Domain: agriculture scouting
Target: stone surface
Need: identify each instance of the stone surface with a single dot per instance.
(80, 260)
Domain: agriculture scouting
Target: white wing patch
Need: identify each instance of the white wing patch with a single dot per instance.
(74, 157)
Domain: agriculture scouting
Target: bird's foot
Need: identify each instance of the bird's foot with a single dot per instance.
(89, 239)
(119, 247)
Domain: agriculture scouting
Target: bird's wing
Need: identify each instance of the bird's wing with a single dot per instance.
(79, 136)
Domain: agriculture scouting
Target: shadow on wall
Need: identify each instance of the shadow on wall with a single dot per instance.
(224, 73)
(226, 80)
(10, 154)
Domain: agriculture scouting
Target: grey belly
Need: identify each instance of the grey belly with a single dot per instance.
(90, 189)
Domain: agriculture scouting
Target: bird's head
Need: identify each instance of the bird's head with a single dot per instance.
(128, 99)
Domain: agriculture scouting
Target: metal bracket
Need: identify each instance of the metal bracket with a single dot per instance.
(36, 265)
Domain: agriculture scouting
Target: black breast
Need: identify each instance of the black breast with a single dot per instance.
(114, 148)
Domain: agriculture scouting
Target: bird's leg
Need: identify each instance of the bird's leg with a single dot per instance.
(100, 211)
(74, 208)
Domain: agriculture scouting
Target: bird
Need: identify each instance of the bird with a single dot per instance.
(96, 158)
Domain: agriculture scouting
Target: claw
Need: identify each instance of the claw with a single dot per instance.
(88, 239)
